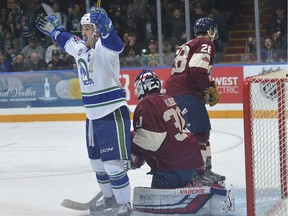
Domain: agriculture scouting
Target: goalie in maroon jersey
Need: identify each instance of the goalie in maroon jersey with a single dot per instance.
(192, 88)
(161, 137)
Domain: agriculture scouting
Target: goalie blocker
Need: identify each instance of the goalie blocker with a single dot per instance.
(204, 200)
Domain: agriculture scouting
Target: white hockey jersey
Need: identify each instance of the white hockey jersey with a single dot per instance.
(98, 71)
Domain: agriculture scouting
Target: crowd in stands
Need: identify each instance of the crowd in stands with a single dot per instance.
(24, 48)
(274, 44)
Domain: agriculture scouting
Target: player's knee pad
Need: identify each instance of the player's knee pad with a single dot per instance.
(116, 171)
(97, 165)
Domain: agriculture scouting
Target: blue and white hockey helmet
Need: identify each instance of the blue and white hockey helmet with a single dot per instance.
(85, 20)
(205, 25)
(145, 82)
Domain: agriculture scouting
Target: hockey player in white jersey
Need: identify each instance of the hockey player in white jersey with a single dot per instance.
(108, 120)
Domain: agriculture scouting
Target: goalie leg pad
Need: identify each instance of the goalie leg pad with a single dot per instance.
(188, 200)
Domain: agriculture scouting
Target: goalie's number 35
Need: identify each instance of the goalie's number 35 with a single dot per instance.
(180, 60)
(179, 121)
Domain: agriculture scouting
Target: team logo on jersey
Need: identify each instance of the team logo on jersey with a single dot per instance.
(83, 68)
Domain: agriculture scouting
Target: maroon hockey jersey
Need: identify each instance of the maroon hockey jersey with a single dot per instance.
(161, 136)
(191, 68)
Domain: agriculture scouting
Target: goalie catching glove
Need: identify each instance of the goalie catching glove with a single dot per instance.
(212, 95)
(99, 17)
(50, 26)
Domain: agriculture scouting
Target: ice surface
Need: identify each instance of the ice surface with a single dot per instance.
(43, 163)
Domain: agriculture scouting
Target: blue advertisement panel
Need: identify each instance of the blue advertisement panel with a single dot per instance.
(39, 89)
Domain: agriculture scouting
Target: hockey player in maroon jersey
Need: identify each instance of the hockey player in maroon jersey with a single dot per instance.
(192, 88)
(161, 136)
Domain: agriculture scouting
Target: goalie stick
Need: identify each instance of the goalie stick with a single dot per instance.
(67, 203)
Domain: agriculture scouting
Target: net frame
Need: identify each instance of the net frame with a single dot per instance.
(266, 194)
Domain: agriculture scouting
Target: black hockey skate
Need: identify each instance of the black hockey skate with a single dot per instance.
(218, 179)
(200, 180)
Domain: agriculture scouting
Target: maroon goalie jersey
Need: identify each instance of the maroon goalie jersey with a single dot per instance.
(191, 68)
(161, 136)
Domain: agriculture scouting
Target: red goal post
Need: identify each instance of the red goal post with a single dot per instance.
(265, 105)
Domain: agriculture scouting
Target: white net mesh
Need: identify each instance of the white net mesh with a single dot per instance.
(268, 121)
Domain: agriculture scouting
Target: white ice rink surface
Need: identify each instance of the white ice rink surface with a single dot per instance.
(43, 163)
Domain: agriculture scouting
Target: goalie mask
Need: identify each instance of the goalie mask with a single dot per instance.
(206, 25)
(145, 82)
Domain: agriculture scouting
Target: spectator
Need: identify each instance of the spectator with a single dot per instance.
(35, 63)
(137, 8)
(150, 25)
(45, 42)
(117, 18)
(251, 42)
(13, 17)
(55, 11)
(125, 39)
(16, 45)
(131, 50)
(74, 16)
(12, 50)
(279, 22)
(169, 54)
(7, 40)
(197, 12)
(1, 37)
(69, 61)
(178, 31)
(223, 31)
(48, 53)
(168, 8)
(268, 53)
(25, 26)
(19, 64)
(56, 63)
(4, 18)
(33, 46)
(4, 64)
(280, 44)
(151, 58)
(131, 28)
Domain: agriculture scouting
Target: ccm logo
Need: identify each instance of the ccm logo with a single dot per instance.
(106, 150)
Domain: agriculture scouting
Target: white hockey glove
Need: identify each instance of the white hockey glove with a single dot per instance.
(212, 95)
(136, 162)
(99, 17)
(50, 26)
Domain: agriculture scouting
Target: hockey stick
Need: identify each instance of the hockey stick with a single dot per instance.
(67, 203)
(98, 4)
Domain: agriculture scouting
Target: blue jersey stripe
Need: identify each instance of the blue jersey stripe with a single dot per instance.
(106, 97)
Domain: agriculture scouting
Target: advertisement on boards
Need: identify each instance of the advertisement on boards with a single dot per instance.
(39, 89)
(229, 81)
(61, 88)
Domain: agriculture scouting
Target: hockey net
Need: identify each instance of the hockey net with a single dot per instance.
(265, 129)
